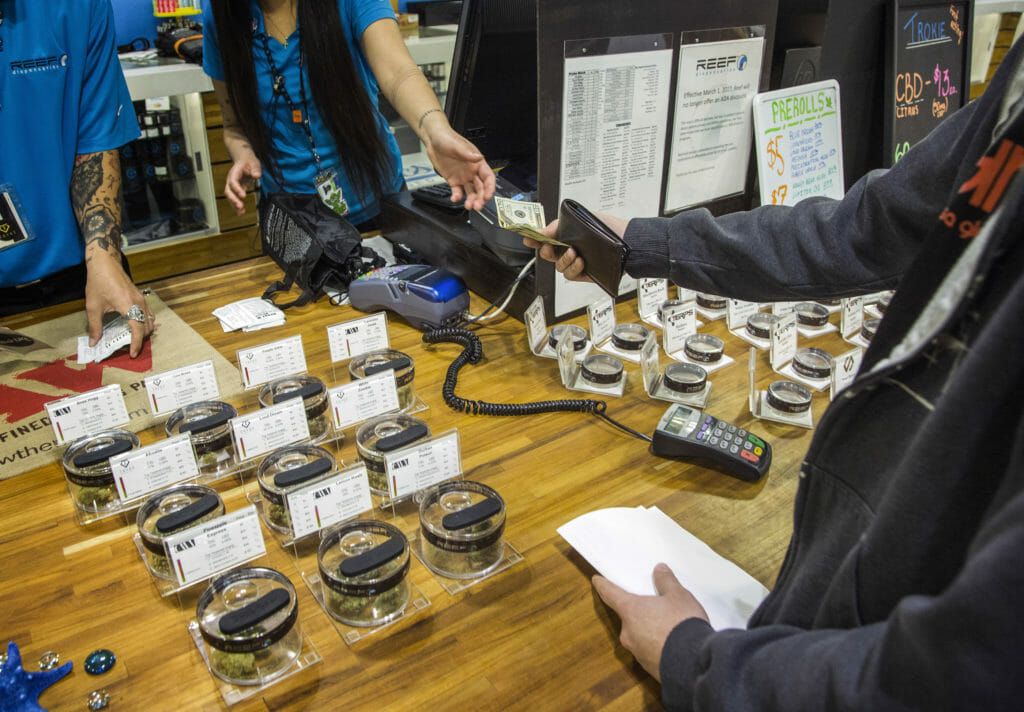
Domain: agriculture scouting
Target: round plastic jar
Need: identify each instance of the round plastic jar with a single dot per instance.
(576, 334)
(811, 314)
(383, 434)
(284, 470)
(788, 397)
(711, 301)
(207, 424)
(462, 524)
(87, 468)
(685, 377)
(363, 566)
(706, 348)
(629, 337)
(387, 360)
(249, 621)
(601, 369)
(314, 399)
(759, 324)
(170, 511)
(667, 304)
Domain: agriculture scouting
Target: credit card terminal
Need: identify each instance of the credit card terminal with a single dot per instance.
(685, 433)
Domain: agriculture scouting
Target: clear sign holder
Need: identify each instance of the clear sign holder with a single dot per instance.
(571, 372)
(760, 408)
(539, 337)
(509, 558)
(654, 380)
(232, 694)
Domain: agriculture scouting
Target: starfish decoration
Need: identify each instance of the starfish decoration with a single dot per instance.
(20, 690)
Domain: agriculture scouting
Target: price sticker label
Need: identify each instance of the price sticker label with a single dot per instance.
(536, 324)
(269, 361)
(737, 312)
(423, 465)
(201, 551)
(359, 336)
(678, 322)
(650, 294)
(171, 390)
(851, 319)
(783, 346)
(87, 413)
(339, 496)
(154, 467)
(267, 429)
(601, 315)
(354, 402)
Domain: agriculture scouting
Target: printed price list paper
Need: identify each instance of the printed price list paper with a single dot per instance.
(154, 467)
(420, 466)
(270, 428)
(354, 402)
(334, 499)
(173, 389)
(269, 361)
(359, 336)
(209, 548)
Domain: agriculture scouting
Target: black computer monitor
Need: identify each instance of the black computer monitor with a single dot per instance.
(492, 87)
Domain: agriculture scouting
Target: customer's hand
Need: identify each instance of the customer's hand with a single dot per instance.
(109, 289)
(565, 259)
(648, 620)
(460, 163)
(241, 178)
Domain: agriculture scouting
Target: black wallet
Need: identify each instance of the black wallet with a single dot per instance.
(604, 253)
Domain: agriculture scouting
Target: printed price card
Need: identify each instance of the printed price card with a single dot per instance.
(650, 293)
(356, 401)
(536, 325)
(201, 551)
(154, 467)
(601, 315)
(171, 390)
(737, 312)
(340, 496)
(359, 336)
(851, 319)
(844, 370)
(423, 465)
(269, 361)
(87, 413)
(267, 429)
(678, 322)
(783, 346)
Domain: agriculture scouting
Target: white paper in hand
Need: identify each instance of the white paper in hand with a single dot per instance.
(624, 545)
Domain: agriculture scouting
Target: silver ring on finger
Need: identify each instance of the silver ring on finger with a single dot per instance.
(135, 313)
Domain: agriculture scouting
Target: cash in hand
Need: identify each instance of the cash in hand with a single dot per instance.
(524, 218)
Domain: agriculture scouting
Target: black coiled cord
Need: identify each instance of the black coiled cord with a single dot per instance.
(472, 352)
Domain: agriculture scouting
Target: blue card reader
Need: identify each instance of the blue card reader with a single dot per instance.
(425, 296)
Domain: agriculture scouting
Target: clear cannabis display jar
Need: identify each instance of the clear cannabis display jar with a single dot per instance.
(812, 362)
(706, 348)
(711, 301)
(87, 468)
(601, 369)
(760, 324)
(206, 423)
(868, 328)
(788, 397)
(170, 511)
(811, 314)
(667, 304)
(685, 377)
(314, 399)
(284, 470)
(576, 334)
(363, 566)
(387, 360)
(248, 619)
(629, 337)
(383, 434)
(462, 525)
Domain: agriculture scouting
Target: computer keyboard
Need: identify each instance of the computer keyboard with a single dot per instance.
(439, 196)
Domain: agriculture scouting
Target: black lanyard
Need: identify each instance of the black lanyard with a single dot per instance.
(280, 90)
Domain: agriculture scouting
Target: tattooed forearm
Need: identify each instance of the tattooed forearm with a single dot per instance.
(96, 200)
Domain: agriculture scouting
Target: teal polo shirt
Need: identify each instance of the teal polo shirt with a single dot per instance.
(62, 93)
(294, 156)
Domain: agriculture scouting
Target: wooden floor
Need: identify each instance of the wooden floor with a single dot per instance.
(535, 637)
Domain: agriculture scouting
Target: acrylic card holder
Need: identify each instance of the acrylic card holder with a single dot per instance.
(543, 341)
(651, 296)
(622, 341)
(763, 407)
(678, 383)
(599, 373)
(845, 369)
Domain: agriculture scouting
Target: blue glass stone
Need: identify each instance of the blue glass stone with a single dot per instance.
(99, 661)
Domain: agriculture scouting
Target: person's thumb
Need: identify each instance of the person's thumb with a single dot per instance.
(664, 580)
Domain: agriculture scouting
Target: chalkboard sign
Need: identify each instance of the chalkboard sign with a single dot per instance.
(927, 69)
(798, 143)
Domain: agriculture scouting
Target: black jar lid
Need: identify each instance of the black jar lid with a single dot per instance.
(601, 368)
(629, 337)
(760, 324)
(364, 557)
(202, 419)
(247, 609)
(373, 362)
(87, 460)
(462, 516)
(812, 362)
(789, 397)
(577, 334)
(705, 348)
(811, 314)
(174, 509)
(685, 377)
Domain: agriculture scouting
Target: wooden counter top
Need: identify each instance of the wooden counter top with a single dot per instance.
(534, 637)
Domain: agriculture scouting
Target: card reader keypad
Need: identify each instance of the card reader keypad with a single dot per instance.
(727, 437)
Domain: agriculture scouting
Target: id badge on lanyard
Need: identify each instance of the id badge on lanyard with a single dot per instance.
(330, 193)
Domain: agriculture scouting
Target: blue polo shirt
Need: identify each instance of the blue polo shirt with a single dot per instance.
(294, 156)
(62, 93)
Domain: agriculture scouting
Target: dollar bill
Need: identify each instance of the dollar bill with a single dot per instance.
(524, 218)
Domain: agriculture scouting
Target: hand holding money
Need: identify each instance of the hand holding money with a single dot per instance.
(524, 218)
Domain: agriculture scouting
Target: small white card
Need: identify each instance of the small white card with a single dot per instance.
(267, 429)
(783, 308)
(87, 413)
(678, 323)
(171, 390)
(249, 315)
(650, 294)
(201, 551)
(364, 398)
(359, 336)
(737, 312)
(116, 335)
(536, 325)
(260, 364)
(844, 369)
(783, 346)
(601, 315)
(423, 465)
(852, 317)
(340, 496)
(154, 467)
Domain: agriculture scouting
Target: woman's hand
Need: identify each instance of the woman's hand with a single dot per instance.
(243, 175)
(459, 162)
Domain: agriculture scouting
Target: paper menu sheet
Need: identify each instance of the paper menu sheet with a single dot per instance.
(624, 545)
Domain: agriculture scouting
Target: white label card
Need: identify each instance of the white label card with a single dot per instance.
(783, 346)
(677, 323)
(154, 467)
(737, 312)
(269, 428)
(650, 294)
(844, 370)
(87, 413)
(339, 496)
(783, 308)
(536, 324)
(359, 336)
(356, 401)
(269, 361)
(851, 319)
(222, 543)
(423, 465)
(171, 390)
(601, 315)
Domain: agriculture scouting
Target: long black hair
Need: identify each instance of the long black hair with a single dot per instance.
(337, 91)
